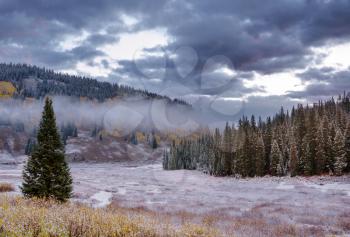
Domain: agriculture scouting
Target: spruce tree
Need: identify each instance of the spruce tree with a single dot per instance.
(293, 157)
(260, 156)
(320, 159)
(330, 152)
(226, 161)
(312, 141)
(347, 147)
(267, 143)
(275, 158)
(339, 152)
(46, 174)
(307, 158)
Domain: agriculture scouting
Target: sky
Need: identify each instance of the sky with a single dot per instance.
(219, 55)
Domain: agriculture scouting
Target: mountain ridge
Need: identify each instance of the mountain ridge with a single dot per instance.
(37, 82)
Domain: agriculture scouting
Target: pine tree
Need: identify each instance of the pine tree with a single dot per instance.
(347, 147)
(218, 154)
(226, 161)
(306, 164)
(339, 152)
(320, 159)
(293, 157)
(275, 157)
(165, 160)
(46, 174)
(311, 139)
(330, 152)
(246, 158)
(267, 142)
(260, 156)
(280, 168)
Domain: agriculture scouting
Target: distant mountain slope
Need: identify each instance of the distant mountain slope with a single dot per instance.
(32, 81)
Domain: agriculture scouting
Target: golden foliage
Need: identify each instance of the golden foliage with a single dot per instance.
(140, 137)
(6, 89)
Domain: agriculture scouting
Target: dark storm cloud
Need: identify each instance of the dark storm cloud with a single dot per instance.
(85, 52)
(264, 36)
(253, 32)
(38, 27)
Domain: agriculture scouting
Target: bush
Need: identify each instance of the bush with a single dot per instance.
(6, 187)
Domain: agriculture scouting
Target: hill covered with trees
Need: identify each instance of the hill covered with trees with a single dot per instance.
(310, 140)
(33, 81)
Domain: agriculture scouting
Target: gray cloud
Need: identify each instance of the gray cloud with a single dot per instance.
(266, 37)
(326, 81)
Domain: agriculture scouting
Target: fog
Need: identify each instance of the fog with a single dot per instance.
(121, 115)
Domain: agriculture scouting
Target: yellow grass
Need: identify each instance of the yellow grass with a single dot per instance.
(24, 217)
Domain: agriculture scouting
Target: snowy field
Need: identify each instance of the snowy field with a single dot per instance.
(322, 203)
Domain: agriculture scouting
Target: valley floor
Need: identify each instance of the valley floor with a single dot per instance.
(268, 206)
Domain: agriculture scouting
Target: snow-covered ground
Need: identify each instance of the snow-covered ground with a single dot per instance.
(303, 201)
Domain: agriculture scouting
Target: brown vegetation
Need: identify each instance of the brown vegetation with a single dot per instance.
(24, 217)
(6, 187)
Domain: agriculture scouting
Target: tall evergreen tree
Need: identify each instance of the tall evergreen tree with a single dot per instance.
(260, 156)
(226, 161)
(293, 157)
(307, 158)
(46, 174)
(275, 158)
(320, 158)
(339, 152)
(311, 139)
(330, 151)
(347, 146)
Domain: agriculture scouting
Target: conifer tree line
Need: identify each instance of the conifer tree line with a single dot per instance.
(309, 140)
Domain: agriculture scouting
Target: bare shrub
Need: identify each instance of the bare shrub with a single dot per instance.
(6, 187)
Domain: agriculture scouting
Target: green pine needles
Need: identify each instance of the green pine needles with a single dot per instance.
(46, 174)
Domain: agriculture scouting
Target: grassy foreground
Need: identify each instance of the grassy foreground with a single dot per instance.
(24, 217)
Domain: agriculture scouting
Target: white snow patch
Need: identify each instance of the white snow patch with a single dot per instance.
(121, 191)
(156, 202)
(284, 186)
(101, 199)
(330, 187)
(71, 148)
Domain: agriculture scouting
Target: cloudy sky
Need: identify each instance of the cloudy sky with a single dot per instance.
(224, 53)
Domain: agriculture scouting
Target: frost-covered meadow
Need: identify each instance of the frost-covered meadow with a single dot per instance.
(317, 205)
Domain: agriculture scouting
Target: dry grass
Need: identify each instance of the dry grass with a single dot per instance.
(24, 217)
(6, 187)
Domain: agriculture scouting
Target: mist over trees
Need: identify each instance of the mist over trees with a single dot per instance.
(310, 140)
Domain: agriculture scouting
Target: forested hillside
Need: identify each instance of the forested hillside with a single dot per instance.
(310, 140)
(32, 81)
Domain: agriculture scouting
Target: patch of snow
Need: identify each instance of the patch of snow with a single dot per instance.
(101, 199)
(284, 186)
(149, 202)
(71, 148)
(342, 187)
(121, 191)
